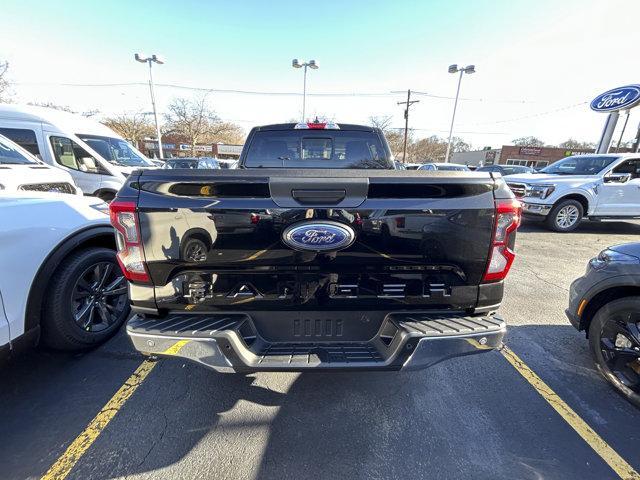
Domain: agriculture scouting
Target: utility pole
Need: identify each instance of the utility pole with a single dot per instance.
(408, 103)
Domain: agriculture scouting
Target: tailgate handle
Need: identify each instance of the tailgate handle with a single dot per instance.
(308, 196)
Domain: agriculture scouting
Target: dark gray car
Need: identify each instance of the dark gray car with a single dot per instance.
(605, 302)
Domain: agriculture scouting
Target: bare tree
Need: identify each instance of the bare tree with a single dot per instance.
(528, 142)
(430, 149)
(576, 145)
(232, 134)
(132, 127)
(194, 120)
(459, 145)
(5, 94)
(395, 139)
(381, 122)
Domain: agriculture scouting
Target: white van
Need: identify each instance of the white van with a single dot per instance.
(97, 158)
(21, 171)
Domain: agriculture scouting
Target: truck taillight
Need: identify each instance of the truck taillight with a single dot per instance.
(124, 219)
(400, 222)
(508, 216)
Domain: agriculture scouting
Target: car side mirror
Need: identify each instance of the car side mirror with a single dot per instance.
(617, 178)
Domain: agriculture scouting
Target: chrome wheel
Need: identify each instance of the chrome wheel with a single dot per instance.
(567, 216)
(99, 297)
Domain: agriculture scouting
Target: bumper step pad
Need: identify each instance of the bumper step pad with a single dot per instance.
(231, 342)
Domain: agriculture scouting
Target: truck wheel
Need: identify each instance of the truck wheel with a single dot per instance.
(565, 216)
(614, 338)
(87, 301)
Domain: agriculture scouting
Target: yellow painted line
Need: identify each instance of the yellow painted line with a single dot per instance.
(175, 348)
(595, 441)
(81, 444)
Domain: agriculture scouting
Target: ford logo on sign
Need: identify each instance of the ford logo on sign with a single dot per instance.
(318, 236)
(617, 99)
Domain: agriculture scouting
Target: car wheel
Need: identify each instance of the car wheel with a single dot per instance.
(614, 338)
(107, 197)
(194, 250)
(565, 216)
(87, 301)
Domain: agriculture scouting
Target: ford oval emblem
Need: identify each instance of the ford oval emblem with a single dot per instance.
(318, 236)
(616, 99)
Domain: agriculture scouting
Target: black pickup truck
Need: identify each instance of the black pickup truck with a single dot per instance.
(315, 254)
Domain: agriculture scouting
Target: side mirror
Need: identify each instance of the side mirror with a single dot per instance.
(617, 178)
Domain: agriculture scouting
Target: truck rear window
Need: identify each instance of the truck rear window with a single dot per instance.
(316, 149)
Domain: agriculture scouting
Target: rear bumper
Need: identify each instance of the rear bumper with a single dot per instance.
(230, 343)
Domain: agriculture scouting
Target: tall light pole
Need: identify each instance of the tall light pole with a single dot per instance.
(311, 64)
(150, 60)
(454, 69)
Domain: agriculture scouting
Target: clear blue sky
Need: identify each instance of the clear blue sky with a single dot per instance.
(547, 54)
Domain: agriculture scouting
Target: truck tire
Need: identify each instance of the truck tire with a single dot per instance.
(86, 301)
(565, 216)
(618, 321)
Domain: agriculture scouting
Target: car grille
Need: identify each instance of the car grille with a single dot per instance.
(61, 187)
(518, 189)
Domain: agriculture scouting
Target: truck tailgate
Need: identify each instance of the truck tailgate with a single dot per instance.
(217, 239)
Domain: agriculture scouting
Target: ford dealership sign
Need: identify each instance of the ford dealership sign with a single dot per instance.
(617, 99)
(318, 236)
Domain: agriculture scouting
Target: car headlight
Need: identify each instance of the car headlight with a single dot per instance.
(608, 256)
(540, 191)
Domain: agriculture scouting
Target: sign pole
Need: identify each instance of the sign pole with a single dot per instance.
(636, 144)
(607, 132)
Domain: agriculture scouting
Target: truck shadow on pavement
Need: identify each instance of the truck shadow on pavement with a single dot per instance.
(472, 417)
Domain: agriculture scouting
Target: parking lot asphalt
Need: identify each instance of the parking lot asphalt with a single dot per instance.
(473, 417)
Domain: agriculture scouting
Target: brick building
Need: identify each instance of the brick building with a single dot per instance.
(175, 146)
(537, 157)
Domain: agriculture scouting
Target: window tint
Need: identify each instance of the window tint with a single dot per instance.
(24, 137)
(71, 155)
(316, 149)
(10, 156)
(630, 166)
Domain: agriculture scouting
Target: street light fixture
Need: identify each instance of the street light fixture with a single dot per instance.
(150, 60)
(311, 64)
(454, 69)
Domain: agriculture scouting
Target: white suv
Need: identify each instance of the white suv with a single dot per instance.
(60, 283)
(596, 186)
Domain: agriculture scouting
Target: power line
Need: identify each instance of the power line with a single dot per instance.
(391, 93)
(411, 129)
